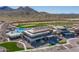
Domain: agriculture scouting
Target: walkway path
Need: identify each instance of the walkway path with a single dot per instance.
(25, 48)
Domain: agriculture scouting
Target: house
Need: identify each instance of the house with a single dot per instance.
(65, 32)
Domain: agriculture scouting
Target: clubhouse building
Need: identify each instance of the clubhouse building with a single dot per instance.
(38, 36)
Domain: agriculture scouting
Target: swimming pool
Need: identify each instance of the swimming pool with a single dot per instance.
(19, 30)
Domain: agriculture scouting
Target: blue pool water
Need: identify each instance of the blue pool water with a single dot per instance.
(19, 30)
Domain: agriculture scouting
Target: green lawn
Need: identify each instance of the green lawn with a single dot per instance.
(39, 24)
(31, 25)
(11, 46)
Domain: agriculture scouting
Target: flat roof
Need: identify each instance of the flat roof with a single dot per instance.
(38, 30)
(33, 35)
(33, 39)
(60, 27)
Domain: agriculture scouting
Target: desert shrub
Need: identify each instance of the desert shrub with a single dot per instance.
(51, 44)
(62, 41)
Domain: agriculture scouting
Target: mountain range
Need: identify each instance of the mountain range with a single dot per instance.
(6, 8)
(27, 13)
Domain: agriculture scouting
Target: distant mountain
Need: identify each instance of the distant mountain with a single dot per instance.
(21, 11)
(20, 8)
(26, 10)
(5, 8)
(27, 13)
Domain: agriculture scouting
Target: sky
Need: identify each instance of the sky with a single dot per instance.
(56, 9)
